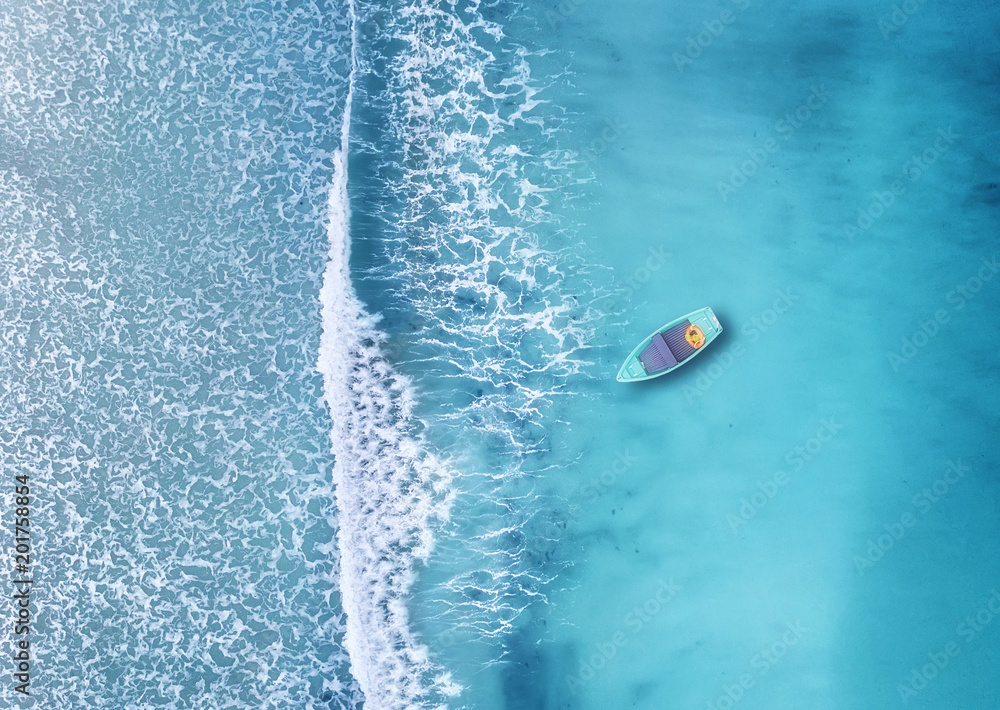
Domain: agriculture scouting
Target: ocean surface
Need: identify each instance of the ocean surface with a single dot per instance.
(311, 313)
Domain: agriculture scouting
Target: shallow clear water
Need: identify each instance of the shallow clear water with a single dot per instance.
(680, 485)
(433, 231)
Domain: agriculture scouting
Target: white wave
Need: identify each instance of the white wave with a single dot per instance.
(500, 313)
(390, 490)
(478, 173)
(156, 261)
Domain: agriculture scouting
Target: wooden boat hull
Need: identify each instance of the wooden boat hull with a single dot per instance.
(633, 369)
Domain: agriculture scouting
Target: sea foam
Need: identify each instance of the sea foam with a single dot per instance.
(491, 301)
(391, 491)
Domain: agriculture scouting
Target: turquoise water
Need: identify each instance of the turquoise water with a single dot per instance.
(312, 317)
(735, 503)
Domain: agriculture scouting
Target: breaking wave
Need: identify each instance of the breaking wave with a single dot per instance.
(480, 299)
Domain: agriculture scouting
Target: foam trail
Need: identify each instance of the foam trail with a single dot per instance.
(390, 490)
(494, 305)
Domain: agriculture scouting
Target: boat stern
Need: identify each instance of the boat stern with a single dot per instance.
(715, 321)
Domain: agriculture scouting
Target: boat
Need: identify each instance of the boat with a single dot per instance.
(670, 346)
